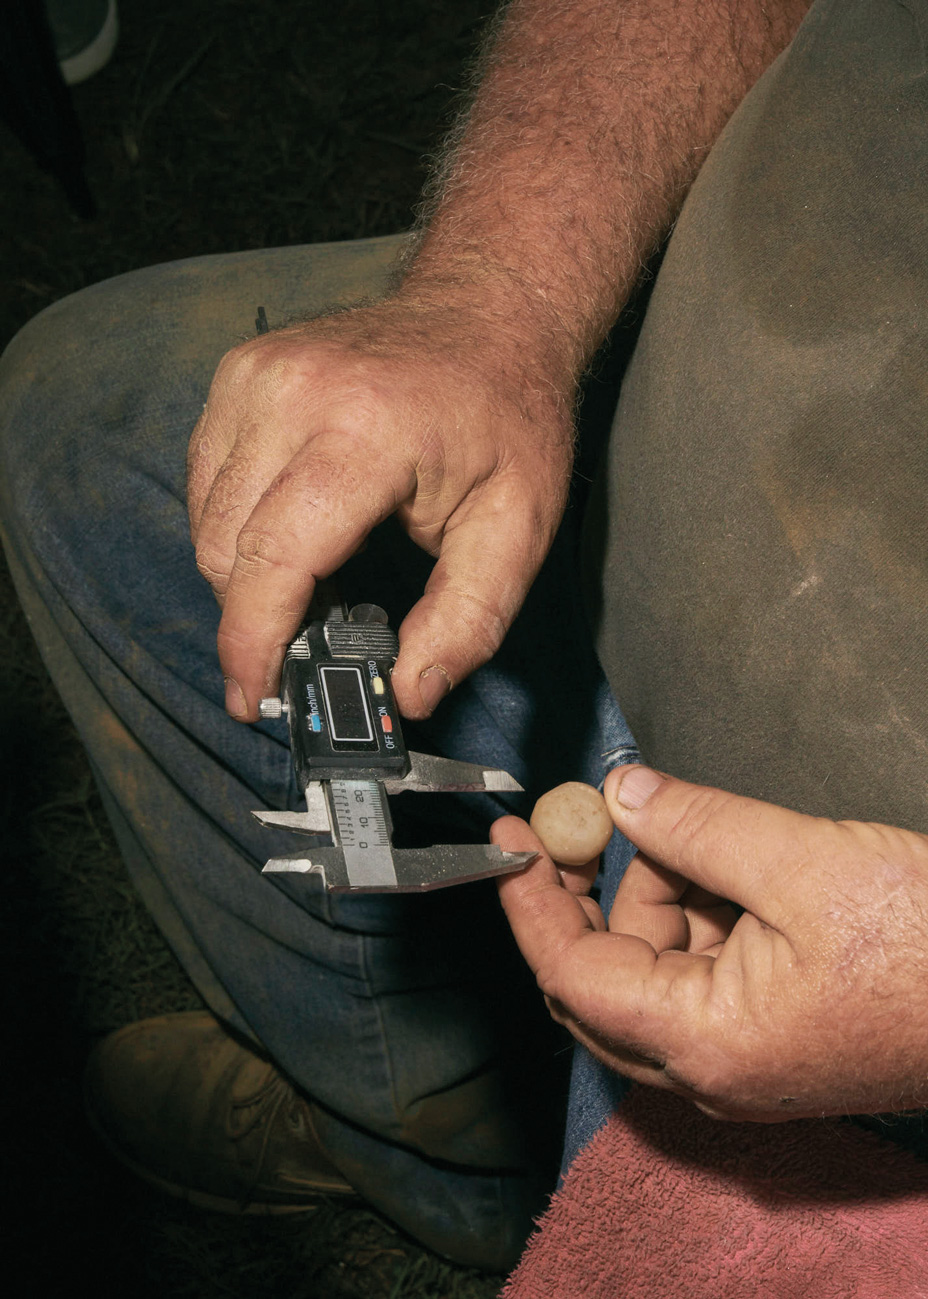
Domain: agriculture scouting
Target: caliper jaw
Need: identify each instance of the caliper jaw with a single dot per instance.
(315, 820)
(416, 869)
(427, 775)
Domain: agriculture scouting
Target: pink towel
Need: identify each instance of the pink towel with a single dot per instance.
(665, 1203)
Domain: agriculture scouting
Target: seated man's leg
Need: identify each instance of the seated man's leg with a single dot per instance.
(410, 1022)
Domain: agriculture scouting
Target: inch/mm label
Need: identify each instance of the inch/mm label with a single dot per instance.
(362, 833)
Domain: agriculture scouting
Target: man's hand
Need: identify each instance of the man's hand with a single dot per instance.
(314, 434)
(449, 403)
(812, 1002)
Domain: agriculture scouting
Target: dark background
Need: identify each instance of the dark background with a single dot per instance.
(224, 124)
(219, 125)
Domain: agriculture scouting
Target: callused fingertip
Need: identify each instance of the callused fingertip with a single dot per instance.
(631, 787)
(434, 684)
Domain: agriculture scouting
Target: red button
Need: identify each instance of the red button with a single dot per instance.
(387, 725)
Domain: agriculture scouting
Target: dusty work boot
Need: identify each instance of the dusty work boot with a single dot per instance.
(189, 1109)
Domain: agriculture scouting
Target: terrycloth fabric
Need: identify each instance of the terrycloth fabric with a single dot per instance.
(665, 1203)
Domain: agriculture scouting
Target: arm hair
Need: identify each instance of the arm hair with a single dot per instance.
(589, 123)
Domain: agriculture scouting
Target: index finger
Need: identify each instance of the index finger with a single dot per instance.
(542, 879)
(307, 524)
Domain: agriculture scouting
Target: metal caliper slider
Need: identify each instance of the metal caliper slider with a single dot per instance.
(348, 754)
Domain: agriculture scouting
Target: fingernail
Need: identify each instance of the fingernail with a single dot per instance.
(235, 700)
(633, 786)
(434, 684)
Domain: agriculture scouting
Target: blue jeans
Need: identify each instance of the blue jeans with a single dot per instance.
(411, 1021)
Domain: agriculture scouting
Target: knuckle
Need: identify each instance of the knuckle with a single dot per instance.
(247, 647)
(556, 1009)
(553, 972)
(233, 373)
(719, 1113)
(551, 983)
(715, 1086)
(485, 621)
(279, 380)
(231, 640)
(710, 1065)
(729, 1079)
(213, 564)
(700, 813)
(257, 551)
(312, 376)
(262, 371)
(239, 360)
(716, 1082)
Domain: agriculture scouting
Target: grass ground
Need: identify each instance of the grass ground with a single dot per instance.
(219, 125)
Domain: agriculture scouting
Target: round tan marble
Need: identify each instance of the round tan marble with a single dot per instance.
(572, 822)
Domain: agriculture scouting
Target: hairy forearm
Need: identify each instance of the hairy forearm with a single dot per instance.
(591, 120)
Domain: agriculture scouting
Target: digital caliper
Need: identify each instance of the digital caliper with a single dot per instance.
(348, 754)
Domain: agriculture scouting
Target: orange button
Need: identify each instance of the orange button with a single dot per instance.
(387, 725)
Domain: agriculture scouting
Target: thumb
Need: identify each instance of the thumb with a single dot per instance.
(750, 852)
(484, 569)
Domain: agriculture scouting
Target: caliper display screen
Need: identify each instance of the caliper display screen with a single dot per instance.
(346, 704)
